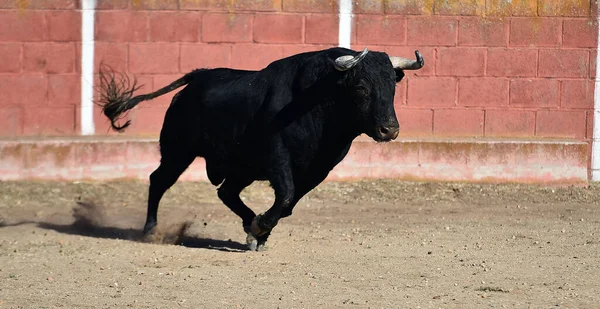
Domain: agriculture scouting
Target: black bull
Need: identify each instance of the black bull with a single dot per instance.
(290, 123)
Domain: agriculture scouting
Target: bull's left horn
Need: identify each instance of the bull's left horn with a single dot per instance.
(345, 63)
(408, 64)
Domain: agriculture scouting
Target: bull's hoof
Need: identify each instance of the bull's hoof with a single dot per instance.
(251, 242)
(256, 244)
(149, 227)
(257, 235)
(262, 245)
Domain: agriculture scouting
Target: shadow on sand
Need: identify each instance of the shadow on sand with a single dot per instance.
(89, 222)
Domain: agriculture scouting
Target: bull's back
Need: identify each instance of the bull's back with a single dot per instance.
(212, 111)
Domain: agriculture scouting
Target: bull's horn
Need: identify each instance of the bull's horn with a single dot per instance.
(345, 63)
(408, 64)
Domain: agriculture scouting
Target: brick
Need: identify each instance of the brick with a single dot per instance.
(152, 58)
(254, 56)
(465, 7)
(483, 92)
(10, 57)
(386, 30)
(64, 26)
(564, 8)
(27, 26)
(509, 123)
(49, 57)
(275, 28)
(39, 4)
(226, 28)
(589, 131)
(49, 121)
(112, 4)
(23, 89)
(154, 4)
(310, 6)
(517, 62)
(534, 93)
(555, 123)
(54, 4)
(478, 31)
(400, 94)
(258, 5)
(147, 121)
(175, 26)
(511, 7)
(428, 54)
(111, 54)
(580, 33)
(160, 81)
(431, 91)
(458, 122)
(408, 7)
(437, 31)
(535, 32)
(11, 121)
(371, 47)
(194, 56)
(460, 62)
(322, 29)
(563, 63)
(121, 26)
(593, 59)
(206, 5)
(368, 7)
(146, 82)
(577, 94)
(415, 122)
(289, 50)
(64, 89)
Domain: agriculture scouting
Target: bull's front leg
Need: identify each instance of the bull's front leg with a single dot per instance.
(282, 182)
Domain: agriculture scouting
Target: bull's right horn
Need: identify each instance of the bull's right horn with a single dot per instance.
(345, 63)
(408, 64)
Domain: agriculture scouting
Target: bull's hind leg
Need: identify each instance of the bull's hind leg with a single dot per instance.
(165, 176)
(229, 193)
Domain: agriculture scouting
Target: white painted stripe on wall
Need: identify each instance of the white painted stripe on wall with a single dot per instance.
(345, 25)
(596, 117)
(87, 66)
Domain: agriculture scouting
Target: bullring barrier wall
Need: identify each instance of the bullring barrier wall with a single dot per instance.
(507, 92)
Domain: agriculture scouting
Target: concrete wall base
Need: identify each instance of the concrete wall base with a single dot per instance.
(470, 160)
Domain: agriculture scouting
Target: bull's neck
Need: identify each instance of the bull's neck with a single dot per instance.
(339, 125)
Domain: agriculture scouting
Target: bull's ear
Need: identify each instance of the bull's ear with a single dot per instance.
(399, 74)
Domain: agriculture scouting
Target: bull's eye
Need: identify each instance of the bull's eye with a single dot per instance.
(363, 91)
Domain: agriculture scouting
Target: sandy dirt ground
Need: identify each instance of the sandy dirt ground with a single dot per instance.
(372, 244)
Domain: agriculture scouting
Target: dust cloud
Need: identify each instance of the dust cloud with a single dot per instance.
(91, 219)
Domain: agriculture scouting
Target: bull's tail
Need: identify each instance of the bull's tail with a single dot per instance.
(116, 94)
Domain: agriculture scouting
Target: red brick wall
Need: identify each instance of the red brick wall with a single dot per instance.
(494, 68)
(39, 79)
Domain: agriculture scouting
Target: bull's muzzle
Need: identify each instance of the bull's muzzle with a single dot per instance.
(387, 133)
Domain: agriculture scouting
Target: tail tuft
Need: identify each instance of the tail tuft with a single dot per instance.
(116, 91)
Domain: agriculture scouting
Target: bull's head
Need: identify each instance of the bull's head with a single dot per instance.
(372, 87)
